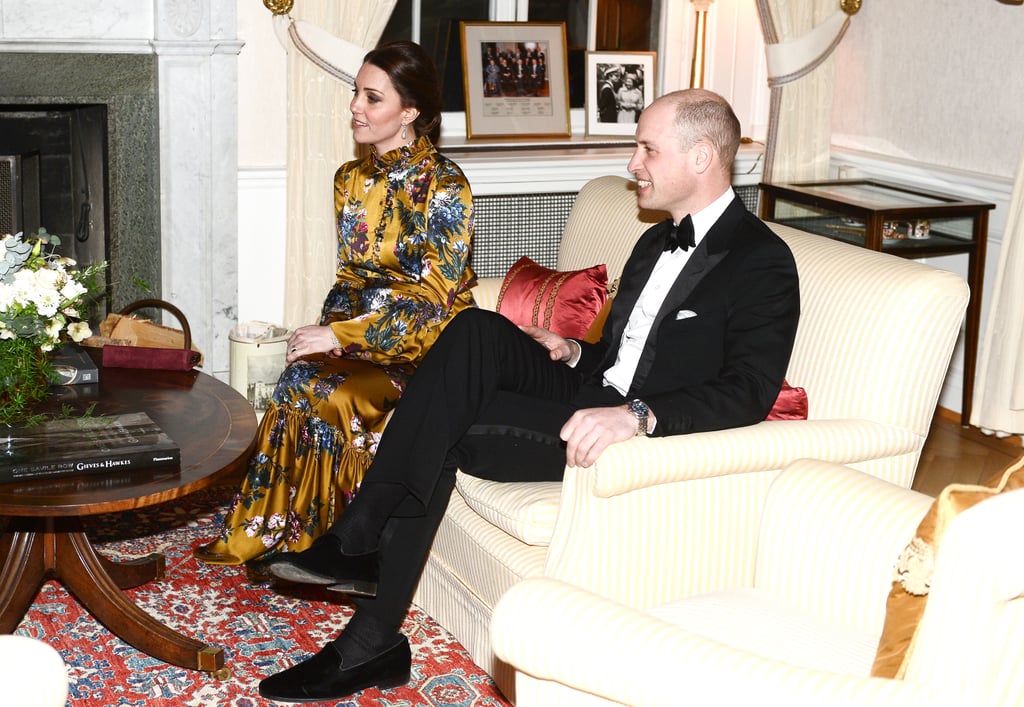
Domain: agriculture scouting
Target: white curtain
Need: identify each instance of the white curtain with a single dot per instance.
(319, 140)
(799, 38)
(998, 404)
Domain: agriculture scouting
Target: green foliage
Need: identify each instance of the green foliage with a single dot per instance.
(25, 376)
(44, 300)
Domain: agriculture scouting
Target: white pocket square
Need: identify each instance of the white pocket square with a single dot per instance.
(685, 314)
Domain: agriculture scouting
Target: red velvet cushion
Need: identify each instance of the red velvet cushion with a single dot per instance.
(790, 405)
(564, 302)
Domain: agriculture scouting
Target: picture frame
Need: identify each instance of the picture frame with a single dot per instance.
(613, 107)
(501, 101)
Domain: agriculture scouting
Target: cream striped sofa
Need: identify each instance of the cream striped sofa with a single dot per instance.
(875, 338)
(803, 629)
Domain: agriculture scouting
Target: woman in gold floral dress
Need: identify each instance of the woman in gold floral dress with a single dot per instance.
(405, 220)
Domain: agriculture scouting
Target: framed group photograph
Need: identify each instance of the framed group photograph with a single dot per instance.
(516, 79)
(619, 86)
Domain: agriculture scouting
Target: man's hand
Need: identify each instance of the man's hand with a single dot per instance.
(590, 430)
(560, 349)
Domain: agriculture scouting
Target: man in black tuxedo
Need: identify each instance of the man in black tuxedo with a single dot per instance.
(698, 338)
(607, 92)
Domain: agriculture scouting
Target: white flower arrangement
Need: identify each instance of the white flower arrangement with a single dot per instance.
(42, 294)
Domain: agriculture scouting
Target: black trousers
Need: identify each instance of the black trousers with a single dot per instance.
(487, 399)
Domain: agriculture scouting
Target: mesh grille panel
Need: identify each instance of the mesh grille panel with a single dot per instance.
(509, 226)
(8, 214)
(748, 195)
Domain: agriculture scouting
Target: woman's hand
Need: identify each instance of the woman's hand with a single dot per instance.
(311, 340)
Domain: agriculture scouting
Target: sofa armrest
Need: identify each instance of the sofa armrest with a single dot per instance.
(640, 463)
(688, 509)
(553, 631)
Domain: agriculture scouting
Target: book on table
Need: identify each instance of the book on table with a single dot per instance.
(101, 444)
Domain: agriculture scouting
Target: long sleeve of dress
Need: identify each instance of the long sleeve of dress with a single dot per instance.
(405, 225)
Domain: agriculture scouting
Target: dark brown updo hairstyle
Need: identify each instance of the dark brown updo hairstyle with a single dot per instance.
(414, 76)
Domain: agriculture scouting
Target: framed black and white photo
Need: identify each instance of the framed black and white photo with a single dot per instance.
(619, 86)
(516, 79)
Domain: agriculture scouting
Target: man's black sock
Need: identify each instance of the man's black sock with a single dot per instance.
(361, 523)
(364, 638)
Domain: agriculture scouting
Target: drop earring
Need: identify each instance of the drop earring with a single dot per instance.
(405, 134)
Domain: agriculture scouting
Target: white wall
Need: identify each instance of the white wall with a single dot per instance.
(932, 93)
(262, 156)
(262, 98)
(934, 82)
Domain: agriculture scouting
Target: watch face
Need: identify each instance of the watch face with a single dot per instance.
(640, 411)
(638, 407)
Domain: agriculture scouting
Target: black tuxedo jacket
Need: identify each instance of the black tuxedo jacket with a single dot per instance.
(720, 344)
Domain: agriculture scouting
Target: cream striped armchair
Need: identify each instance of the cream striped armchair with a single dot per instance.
(874, 341)
(802, 631)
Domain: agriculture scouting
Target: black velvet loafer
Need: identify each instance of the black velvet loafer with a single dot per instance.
(324, 676)
(324, 563)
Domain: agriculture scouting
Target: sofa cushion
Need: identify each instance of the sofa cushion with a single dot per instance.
(756, 621)
(564, 302)
(525, 510)
(909, 594)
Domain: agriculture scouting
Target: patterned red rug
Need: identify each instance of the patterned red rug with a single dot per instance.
(261, 631)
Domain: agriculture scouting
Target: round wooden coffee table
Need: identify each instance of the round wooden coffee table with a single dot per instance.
(43, 534)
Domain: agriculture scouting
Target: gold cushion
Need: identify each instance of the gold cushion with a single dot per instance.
(909, 593)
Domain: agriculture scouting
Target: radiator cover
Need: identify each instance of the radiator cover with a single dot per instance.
(509, 226)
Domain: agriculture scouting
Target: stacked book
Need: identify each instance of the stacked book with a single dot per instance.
(102, 444)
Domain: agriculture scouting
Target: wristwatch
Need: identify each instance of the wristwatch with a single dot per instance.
(640, 411)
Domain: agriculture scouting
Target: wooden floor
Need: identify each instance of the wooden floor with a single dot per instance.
(954, 454)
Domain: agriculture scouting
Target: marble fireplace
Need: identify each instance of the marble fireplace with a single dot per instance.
(165, 72)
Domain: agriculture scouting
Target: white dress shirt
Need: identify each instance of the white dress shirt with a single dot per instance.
(666, 271)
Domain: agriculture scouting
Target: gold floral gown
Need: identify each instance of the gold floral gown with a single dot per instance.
(405, 220)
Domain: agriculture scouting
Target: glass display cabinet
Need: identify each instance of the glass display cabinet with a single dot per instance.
(897, 219)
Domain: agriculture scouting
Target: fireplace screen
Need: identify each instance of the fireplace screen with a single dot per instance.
(19, 193)
(53, 176)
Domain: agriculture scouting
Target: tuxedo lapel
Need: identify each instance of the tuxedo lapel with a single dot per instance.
(635, 275)
(711, 250)
(696, 268)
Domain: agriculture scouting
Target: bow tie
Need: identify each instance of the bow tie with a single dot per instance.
(680, 236)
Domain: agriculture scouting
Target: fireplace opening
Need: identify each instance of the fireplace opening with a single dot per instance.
(93, 119)
(53, 174)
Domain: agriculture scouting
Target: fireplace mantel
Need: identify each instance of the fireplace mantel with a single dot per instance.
(195, 47)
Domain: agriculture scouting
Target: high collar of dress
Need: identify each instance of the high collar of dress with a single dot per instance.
(402, 156)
